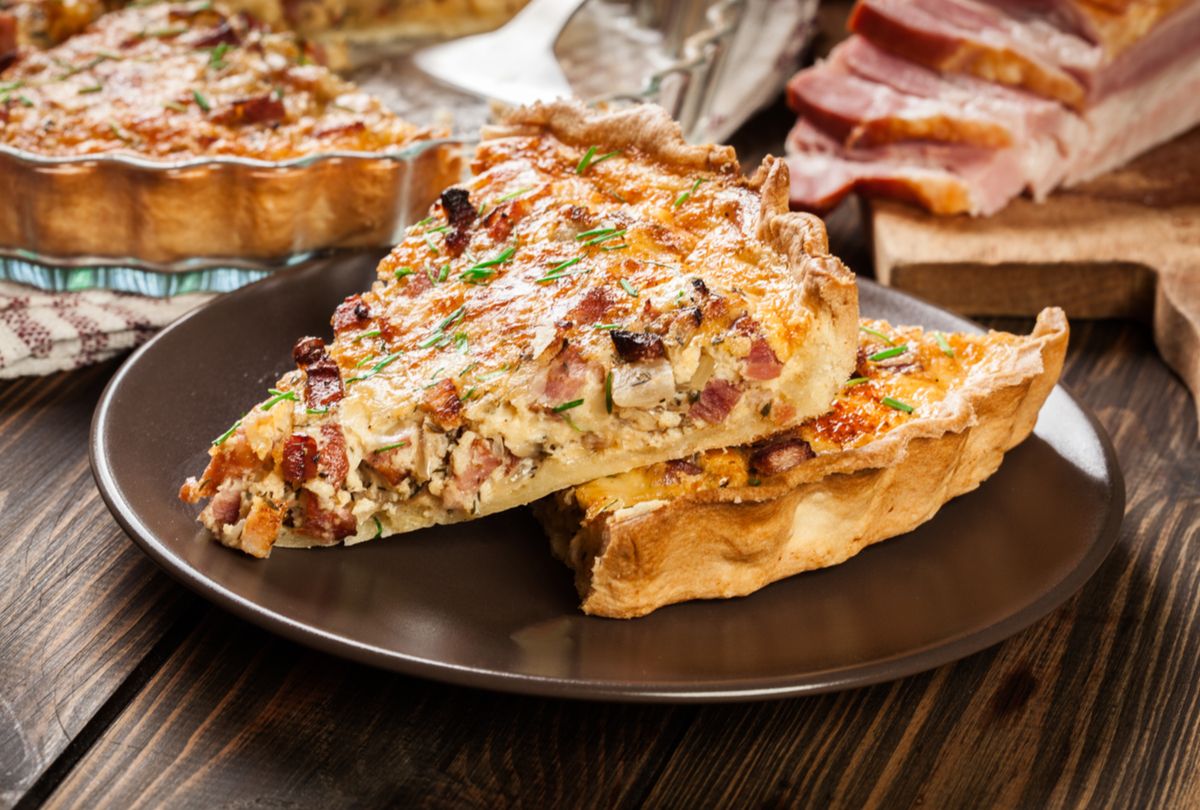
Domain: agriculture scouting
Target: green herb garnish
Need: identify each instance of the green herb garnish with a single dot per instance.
(482, 270)
(606, 326)
(594, 232)
(364, 361)
(615, 247)
(556, 272)
(462, 343)
(176, 106)
(451, 319)
(91, 88)
(317, 410)
(589, 159)
(386, 447)
(604, 237)
(404, 271)
(492, 375)
(378, 367)
(895, 351)
(432, 246)
(201, 101)
(216, 56)
(608, 400)
(378, 527)
(943, 344)
(566, 406)
(368, 334)
(877, 334)
(897, 404)
(512, 195)
(217, 442)
(685, 196)
(278, 396)
(629, 288)
(853, 381)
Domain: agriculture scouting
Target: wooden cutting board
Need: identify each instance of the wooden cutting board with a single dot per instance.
(1126, 245)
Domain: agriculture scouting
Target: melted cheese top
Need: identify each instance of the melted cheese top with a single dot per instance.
(177, 80)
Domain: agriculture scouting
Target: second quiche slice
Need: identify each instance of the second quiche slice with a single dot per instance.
(599, 296)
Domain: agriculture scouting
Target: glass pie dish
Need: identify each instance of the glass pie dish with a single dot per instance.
(711, 64)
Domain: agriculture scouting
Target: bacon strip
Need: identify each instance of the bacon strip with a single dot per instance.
(715, 402)
(461, 213)
(780, 455)
(299, 459)
(323, 380)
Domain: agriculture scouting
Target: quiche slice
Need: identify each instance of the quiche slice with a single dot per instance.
(169, 82)
(925, 418)
(599, 296)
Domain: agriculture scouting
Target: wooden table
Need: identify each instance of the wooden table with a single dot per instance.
(118, 688)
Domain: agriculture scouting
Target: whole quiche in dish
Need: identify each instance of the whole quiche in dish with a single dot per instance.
(178, 130)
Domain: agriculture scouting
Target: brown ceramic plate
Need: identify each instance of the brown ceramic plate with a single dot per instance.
(484, 604)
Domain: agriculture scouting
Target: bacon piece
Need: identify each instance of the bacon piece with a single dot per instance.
(394, 464)
(715, 402)
(264, 109)
(566, 376)
(342, 129)
(678, 468)
(761, 363)
(232, 459)
(8, 38)
(299, 458)
(592, 309)
(262, 528)
(226, 506)
(442, 403)
(636, 347)
(461, 214)
(780, 455)
(353, 313)
(324, 524)
(482, 462)
(323, 380)
(332, 461)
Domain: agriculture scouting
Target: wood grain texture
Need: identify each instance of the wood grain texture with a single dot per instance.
(1125, 245)
(81, 606)
(1097, 705)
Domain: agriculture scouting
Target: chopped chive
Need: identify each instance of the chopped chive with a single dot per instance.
(754, 482)
(8, 87)
(437, 340)
(452, 318)
(443, 273)
(482, 270)
(462, 343)
(432, 246)
(617, 197)
(119, 131)
(438, 229)
(468, 394)
(512, 195)
(566, 406)
(895, 351)
(589, 159)
(556, 272)
(404, 271)
(92, 88)
(425, 221)
(608, 505)
(608, 400)
(317, 410)
(217, 55)
(606, 326)
(629, 288)
(201, 101)
(943, 344)
(278, 396)
(594, 232)
(378, 527)
(615, 247)
(369, 334)
(25, 100)
(853, 381)
(685, 196)
(468, 367)
(386, 447)
(604, 238)
(364, 361)
(877, 334)
(217, 442)
(499, 259)
(897, 404)
(570, 423)
(433, 379)
(378, 367)
(491, 375)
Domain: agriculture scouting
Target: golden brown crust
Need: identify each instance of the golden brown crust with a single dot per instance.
(725, 542)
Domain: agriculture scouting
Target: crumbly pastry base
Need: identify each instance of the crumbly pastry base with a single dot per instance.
(161, 215)
(730, 542)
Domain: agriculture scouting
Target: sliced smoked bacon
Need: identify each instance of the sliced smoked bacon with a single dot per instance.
(906, 114)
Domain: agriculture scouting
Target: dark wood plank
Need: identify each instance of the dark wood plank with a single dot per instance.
(1094, 706)
(238, 716)
(81, 606)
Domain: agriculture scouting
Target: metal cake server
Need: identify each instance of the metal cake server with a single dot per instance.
(514, 64)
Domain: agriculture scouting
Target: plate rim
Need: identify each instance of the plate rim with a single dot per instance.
(723, 691)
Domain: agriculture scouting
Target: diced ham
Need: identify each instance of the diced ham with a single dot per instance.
(761, 363)
(780, 455)
(715, 402)
(264, 109)
(680, 468)
(395, 463)
(226, 506)
(299, 458)
(320, 523)
(566, 376)
(469, 469)
(332, 462)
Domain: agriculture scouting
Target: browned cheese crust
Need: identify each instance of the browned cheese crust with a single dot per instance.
(727, 523)
(599, 296)
(185, 81)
